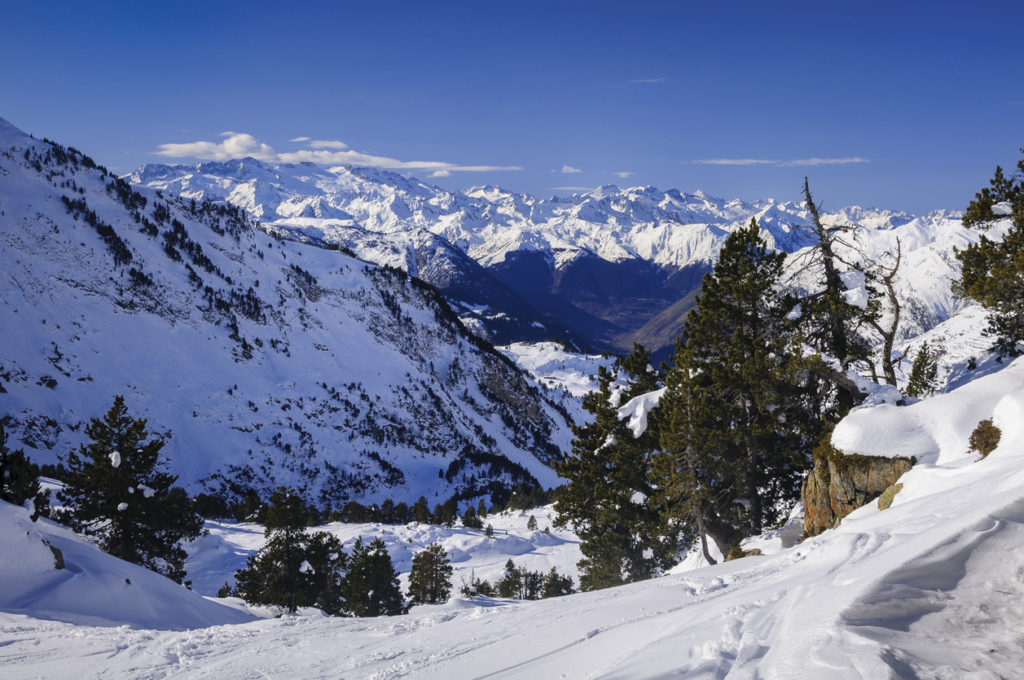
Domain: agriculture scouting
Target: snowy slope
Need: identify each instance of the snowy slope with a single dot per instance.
(262, 361)
(928, 588)
(88, 587)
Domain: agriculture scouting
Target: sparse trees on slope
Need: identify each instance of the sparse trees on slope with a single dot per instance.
(118, 492)
(430, 578)
(993, 272)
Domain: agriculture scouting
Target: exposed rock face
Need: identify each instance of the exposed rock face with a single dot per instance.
(839, 484)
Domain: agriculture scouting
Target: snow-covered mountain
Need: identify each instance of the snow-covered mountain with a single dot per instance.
(612, 265)
(263, 361)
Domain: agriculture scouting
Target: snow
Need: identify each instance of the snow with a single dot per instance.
(115, 459)
(638, 409)
(928, 588)
(93, 588)
(936, 430)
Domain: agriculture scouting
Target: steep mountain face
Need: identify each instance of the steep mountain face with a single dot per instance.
(262, 361)
(611, 265)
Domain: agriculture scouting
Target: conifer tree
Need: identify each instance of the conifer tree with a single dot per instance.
(606, 497)
(421, 511)
(19, 479)
(117, 491)
(430, 578)
(992, 272)
(531, 524)
(294, 568)
(371, 584)
(556, 585)
(923, 373)
(742, 409)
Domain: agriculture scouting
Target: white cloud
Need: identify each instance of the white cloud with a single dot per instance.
(322, 152)
(326, 144)
(648, 81)
(568, 170)
(799, 162)
(623, 175)
(235, 146)
(570, 188)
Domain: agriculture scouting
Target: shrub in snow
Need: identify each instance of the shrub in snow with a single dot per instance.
(117, 491)
(985, 438)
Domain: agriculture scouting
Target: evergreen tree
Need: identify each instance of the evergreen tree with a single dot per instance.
(606, 497)
(295, 569)
(993, 272)
(118, 492)
(430, 578)
(521, 584)
(832, 324)
(743, 406)
(556, 585)
(481, 509)
(421, 511)
(923, 373)
(531, 524)
(371, 584)
(19, 479)
(470, 519)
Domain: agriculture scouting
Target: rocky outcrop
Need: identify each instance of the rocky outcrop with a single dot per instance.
(840, 483)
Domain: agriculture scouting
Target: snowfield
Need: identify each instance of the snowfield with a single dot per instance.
(929, 588)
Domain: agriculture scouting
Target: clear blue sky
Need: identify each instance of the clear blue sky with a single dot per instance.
(906, 105)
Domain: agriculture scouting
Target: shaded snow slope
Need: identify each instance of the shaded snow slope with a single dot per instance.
(261, 361)
(927, 588)
(90, 587)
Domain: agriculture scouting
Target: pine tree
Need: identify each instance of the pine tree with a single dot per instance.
(430, 578)
(421, 511)
(993, 272)
(371, 584)
(531, 524)
(481, 509)
(471, 520)
(742, 408)
(556, 585)
(295, 569)
(923, 373)
(117, 491)
(606, 498)
(19, 479)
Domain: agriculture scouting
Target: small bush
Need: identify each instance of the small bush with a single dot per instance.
(985, 438)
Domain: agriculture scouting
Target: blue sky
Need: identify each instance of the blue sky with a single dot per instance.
(896, 105)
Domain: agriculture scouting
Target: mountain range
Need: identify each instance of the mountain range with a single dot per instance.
(603, 268)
